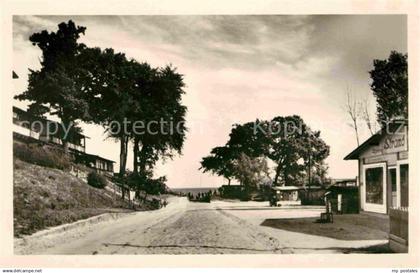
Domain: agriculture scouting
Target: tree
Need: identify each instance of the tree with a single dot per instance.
(243, 138)
(220, 162)
(58, 88)
(353, 109)
(284, 150)
(159, 105)
(390, 87)
(287, 141)
(314, 152)
(250, 171)
(138, 103)
(249, 138)
(367, 117)
(109, 93)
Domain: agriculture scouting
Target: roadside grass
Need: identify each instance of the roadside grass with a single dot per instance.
(45, 197)
(345, 227)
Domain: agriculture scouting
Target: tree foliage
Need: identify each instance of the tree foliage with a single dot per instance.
(78, 83)
(297, 152)
(219, 162)
(250, 171)
(59, 87)
(390, 87)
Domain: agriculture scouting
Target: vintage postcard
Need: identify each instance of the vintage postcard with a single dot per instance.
(136, 131)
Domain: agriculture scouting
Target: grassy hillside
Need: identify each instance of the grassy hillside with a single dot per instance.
(45, 197)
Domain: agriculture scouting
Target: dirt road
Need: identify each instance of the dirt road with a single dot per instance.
(186, 228)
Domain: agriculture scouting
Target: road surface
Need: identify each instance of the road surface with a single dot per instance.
(189, 228)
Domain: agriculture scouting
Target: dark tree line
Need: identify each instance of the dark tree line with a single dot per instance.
(298, 152)
(390, 87)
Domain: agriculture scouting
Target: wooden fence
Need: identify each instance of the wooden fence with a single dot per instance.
(398, 229)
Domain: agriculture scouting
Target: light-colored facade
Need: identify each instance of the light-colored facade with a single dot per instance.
(24, 128)
(383, 169)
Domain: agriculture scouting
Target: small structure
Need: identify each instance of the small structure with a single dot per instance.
(344, 182)
(312, 195)
(287, 195)
(343, 199)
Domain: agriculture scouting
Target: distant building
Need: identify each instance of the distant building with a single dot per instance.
(99, 164)
(383, 169)
(344, 182)
(288, 195)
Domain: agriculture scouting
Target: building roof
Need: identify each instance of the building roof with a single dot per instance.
(341, 180)
(33, 118)
(97, 157)
(286, 188)
(375, 139)
(104, 159)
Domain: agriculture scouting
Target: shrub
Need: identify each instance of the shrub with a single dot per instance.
(42, 155)
(96, 180)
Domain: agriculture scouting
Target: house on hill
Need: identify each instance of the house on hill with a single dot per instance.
(383, 169)
(34, 128)
(30, 129)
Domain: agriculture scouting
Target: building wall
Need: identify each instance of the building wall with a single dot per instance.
(23, 124)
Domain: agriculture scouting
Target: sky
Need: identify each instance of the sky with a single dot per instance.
(238, 68)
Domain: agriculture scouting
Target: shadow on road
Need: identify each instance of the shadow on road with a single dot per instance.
(345, 227)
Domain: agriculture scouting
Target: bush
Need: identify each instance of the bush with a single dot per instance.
(42, 155)
(96, 180)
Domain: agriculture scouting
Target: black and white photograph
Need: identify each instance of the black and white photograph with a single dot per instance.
(210, 134)
(150, 134)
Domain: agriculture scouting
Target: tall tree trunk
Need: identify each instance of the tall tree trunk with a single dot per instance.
(65, 123)
(356, 130)
(142, 159)
(136, 155)
(123, 162)
(65, 146)
(141, 167)
(276, 178)
(123, 154)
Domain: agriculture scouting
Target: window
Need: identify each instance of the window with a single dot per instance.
(404, 184)
(392, 174)
(374, 185)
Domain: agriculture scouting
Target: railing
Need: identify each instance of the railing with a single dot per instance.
(398, 229)
(21, 130)
(36, 135)
(76, 147)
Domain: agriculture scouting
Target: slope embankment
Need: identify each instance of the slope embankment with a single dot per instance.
(45, 197)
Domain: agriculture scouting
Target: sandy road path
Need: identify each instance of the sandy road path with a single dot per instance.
(189, 228)
(181, 228)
